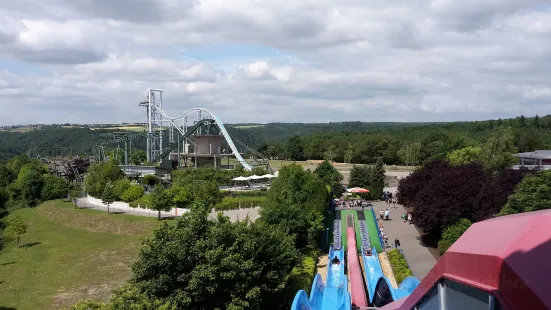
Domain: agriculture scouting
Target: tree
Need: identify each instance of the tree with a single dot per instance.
(134, 192)
(410, 154)
(54, 187)
(16, 227)
(466, 155)
(296, 202)
(532, 194)
(493, 194)
(99, 174)
(245, 265)
(6, 176)
(181, 197)
(120, 186)
(452, 233)
(330, 153)
(331, 176)
(537, 123)
(522, 121)
(30, 183)
(295, 149)
(499, 149)
(348, 155)
(108, 196)
(138, 157)
(369, 177)
(74, 194)
(160, 200)
(377, 180)
(449, 195)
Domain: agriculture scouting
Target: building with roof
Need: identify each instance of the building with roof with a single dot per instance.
(538, 159)
(500, 263)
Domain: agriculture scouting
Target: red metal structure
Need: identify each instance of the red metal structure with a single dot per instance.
(507, 257)
(357, 288)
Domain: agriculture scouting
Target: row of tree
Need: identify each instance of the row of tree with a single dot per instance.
(412, 145)
(246, 265)
(369, 177)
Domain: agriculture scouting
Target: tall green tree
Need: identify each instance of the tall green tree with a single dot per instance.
(245, 265)
(54, 187)
(99, 174)
(138, 157)
(331, 176)
(296, 202)
(161, 200)
(466, 155)
(16, 227)
(30, 182)
(531, 194)
(108, 196)
(499, 149)
(295, 148)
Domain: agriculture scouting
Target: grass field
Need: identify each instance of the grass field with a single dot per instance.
(371, 223)
(69, 254)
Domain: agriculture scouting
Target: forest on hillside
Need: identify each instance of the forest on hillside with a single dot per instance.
(354, 142)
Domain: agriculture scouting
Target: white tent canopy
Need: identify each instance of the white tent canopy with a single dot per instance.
(240, 179)
(267, 176)
(255, 177)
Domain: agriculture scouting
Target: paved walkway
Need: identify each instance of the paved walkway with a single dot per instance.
(418, 257)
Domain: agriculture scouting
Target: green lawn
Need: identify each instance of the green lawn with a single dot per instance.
(69, 254)
(344, 241)
(372, 231)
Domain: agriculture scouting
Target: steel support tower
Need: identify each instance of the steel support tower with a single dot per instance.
(155, 123)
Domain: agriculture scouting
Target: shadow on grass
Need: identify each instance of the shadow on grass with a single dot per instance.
(8, 263)
(30, 245)
(7, 308)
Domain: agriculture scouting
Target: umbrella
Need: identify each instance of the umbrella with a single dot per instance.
(255, 177)
(240, 179)
(267, 176)
(358, 190)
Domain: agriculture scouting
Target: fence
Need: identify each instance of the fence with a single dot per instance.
(124, 208)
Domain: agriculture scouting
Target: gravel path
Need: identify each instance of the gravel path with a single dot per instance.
(387, 269)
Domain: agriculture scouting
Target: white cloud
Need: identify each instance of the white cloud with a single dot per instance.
(326, 60)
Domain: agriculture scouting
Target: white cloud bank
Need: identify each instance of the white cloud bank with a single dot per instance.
(403, 60)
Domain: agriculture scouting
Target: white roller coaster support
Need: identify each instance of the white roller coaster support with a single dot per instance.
(217, 121)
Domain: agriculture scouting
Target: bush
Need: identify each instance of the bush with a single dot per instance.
(120, 186)
(54, 187)
(134, 192)
(399, 265)
(452, 233)
(303, 274)
(232, 203)
(143, 202)
(532, 194)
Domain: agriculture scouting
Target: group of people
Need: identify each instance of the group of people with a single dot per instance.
(406, 217)
(389, 198)
(384, 215)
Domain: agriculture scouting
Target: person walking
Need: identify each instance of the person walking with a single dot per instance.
(409, 218)
(394, 201)
(381, 214)
(387, 214)
(385, 240)
(396, 243)
(404, 217)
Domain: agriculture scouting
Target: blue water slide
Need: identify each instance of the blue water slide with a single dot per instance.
(331, 296)
(377, 283)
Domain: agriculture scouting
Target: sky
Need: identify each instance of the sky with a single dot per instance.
(252, 61)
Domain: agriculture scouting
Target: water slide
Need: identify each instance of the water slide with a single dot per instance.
(332, 295)
(380, 291)
(357, 288)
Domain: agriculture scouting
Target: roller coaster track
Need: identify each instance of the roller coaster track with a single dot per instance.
(175, 144)
(172, 121)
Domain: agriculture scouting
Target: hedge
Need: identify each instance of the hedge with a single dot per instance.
(303, 275)
(452, 233)
(232, 203)
(253, 193)
(399, 265)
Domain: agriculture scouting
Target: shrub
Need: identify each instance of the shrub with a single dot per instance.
(399, 265)
(232, 203)
(452, 233)
(143, 202)
(120, 186)
(532, 194)
(133, 192)
(303, 274)
(254, 193)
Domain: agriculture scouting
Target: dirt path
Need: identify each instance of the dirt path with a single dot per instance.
(387, 269)
(322, 266)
